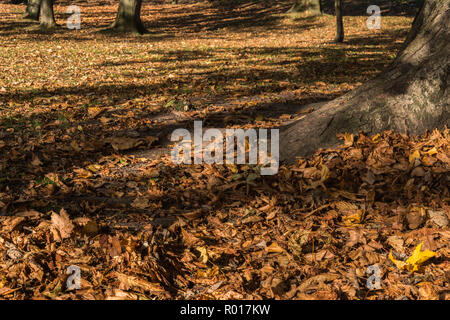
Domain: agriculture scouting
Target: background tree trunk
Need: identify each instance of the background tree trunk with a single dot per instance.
(411, 96)
(311, 7)
(32, 10)
(339, 21)
(47, 15)
(128, 17)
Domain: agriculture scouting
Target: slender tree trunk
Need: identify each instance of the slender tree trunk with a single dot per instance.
(47, 15)
(339, 21)
(32, 10)
(128, 17)
(411, 96)
(310, 7)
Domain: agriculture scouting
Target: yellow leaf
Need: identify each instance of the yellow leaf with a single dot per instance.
(274, 247)
(233, 168)
(82, 173)
(348, 139)
(324, 173)
(352, 219)
(418, 257)
(208, 273)
(398, 263)
(432, 151)
(413, 156)
(415, 260)
(3, 282)
(376, 137)
(94, 167)
(203, 254)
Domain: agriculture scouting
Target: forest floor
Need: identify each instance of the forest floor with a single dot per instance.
(85, 179)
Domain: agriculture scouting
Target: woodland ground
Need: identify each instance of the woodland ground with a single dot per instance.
(85, 114)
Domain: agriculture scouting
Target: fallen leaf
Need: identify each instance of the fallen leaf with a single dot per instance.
(413, 156)
(413, 263)
(95, 111)
(438, 217)
(62, 226)
(274, 248)
(133, 281)
(348, 139)
(203, 254)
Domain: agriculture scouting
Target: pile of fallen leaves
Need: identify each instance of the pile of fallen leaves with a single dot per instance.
(316, 230)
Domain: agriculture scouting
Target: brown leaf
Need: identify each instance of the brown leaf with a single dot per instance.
(62, 226)
(132, 281)
(415, 217)
(115, 248)
(438, 217)
(95, 111)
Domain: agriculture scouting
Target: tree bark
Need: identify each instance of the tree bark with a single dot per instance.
(128, 17)
(310, 7)
(339, 21)
(47, 15)
(32, 10)
(410, 96)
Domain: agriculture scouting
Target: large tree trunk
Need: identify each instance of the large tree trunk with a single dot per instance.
(128, 17)
(411, 96)
(310, 7)
(339, 21)
(47, 15)
(32, 10)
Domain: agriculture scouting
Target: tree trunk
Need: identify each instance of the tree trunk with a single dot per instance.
(410, 96)
(310, 7)
(339, 21)
(32, 10)
(128, 17)
(47, 15)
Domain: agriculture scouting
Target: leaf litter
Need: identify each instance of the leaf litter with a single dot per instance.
(78, 185)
